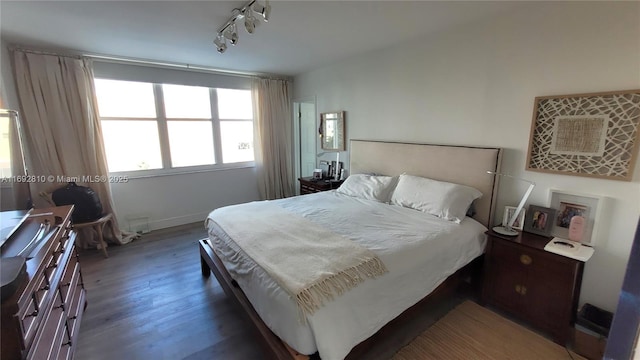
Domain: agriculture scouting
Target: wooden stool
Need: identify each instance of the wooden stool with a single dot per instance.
(98, 226)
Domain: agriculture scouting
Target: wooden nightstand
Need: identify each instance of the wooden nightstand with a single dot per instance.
(309, 185)
(537, 286)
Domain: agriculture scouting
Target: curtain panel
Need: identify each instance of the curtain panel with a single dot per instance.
(63, 135)
(20, 189)
(273, 138)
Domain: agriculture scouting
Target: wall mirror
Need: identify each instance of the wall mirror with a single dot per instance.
(332, 130)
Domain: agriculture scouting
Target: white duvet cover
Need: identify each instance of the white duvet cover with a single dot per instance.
(419, 250)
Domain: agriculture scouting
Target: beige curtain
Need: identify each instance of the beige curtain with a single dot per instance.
(273, 138)
(20, 189)
(63, 136)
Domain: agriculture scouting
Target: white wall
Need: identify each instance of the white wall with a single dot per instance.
(8, 92)
(183, 198)
(476, 85)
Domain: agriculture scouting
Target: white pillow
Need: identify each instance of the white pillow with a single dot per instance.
(443, 199)
(369, 187)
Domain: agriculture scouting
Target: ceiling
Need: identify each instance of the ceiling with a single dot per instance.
(300, 35)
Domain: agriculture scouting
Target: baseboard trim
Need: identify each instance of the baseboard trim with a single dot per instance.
(178, 220)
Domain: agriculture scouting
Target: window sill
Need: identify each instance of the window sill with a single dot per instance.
(145, 174)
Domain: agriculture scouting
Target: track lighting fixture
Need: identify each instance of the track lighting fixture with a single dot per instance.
(229, 30)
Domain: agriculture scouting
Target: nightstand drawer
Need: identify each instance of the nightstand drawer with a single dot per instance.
(309, 185)
(306, 189)
(514, 255)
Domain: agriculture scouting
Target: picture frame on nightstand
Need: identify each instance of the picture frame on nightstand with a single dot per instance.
(568, 205)
(508, 213)
(539, 220)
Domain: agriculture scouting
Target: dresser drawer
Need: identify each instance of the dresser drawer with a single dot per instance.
(70, 282)
(74, 314)
(51, 335)
(66, 352)
(31, 313)
(59, 246)
(67, 230)
(53, 262)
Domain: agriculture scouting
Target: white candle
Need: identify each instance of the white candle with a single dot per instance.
(337, 159)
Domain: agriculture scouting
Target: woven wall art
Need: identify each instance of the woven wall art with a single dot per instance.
(592, 135)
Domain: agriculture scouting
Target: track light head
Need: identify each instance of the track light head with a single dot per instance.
(249, 21)
(221, 43)
(263, 10)
(231, 33)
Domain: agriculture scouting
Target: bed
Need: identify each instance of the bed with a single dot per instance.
(422, 255)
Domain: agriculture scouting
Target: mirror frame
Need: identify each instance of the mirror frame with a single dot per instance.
(323, 129)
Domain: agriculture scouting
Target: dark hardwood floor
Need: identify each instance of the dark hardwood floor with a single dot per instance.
(148, 300)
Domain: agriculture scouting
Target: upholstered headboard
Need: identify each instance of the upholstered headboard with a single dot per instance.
(466, 165)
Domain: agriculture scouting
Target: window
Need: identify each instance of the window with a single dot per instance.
(129, 125)
(5, 149)
(164, 126)
(236, 124)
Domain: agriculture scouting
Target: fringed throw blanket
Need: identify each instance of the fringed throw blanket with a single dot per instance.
(308, 261)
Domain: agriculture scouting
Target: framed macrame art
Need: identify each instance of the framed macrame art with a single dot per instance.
(592, 135)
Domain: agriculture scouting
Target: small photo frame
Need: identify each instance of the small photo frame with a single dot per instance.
(508, 213)
(539, 220)
(570, 205)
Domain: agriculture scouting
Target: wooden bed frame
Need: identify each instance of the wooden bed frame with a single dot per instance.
(277, 349)
(390, 158)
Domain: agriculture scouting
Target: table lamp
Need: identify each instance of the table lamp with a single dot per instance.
(508, 230)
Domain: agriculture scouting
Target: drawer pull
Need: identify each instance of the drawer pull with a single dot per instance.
(44, 288)
(521, 289)
(73, 317)
(34, 298)
(55, 265)
(526, 259)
